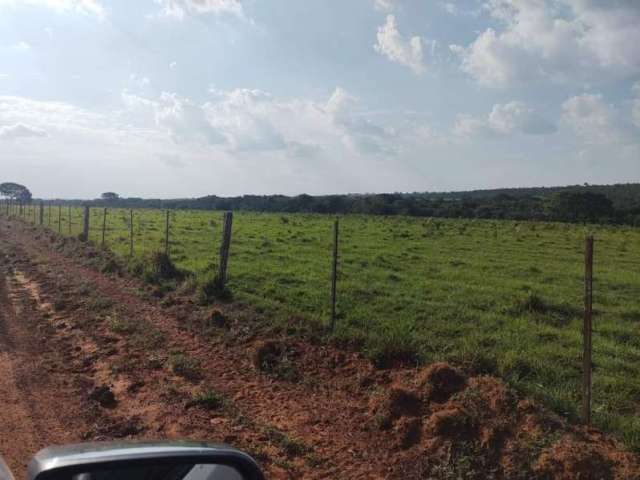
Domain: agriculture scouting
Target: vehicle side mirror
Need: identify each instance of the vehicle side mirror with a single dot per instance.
(143, 461)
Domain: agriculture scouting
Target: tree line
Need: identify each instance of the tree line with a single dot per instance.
(619, 204)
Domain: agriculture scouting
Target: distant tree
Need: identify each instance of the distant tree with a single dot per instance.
(15, 191)
(576, 206)
(109, 196)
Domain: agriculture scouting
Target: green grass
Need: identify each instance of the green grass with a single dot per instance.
(500, 297)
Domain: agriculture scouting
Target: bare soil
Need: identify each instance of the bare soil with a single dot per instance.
(90, 356)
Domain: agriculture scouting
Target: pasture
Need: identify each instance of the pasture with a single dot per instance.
(499, 297)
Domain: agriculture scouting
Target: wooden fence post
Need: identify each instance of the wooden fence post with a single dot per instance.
(49, 215)
(224, 249)
(166, 234)
(85, 226)
(131, 233)
(59, 219)
(334, 274)
(104, 226)
(587, 331)
(69, 214)
(41, 213)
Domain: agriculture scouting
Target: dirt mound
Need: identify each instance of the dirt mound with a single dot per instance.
(586, 455)
(439, 381)
(450, 423)
(483, 430)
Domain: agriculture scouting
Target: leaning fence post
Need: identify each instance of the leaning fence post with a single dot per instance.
(131, 233)
(104, 226)
(587, 331)
(224, 249)
(334, 274)
(166, 234)
(85, 226)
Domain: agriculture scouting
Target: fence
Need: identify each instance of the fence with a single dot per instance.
(389, 263)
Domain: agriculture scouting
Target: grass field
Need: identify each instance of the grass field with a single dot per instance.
(499, 297)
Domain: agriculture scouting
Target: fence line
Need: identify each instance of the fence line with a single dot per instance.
(19, 210)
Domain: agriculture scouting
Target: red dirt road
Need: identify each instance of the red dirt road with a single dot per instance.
(68, 334)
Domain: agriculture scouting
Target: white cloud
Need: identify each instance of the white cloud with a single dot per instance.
(561, 40)
(185, 121)
(21, 46)
(504, 119)
(518, 117)
(173, 65)
(246, 120)
(20, 130)
(4, 76)
(182, 8)
(139, 81)
(48, 115)
(85, 7)
(591, 118)
(396, 48)
(384, 5)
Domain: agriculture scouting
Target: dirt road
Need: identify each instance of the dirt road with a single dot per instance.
(90, 356)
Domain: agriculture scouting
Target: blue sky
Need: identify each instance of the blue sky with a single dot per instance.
(176, 98)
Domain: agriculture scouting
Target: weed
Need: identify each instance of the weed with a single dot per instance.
(185, 366)
(117, 324)
(209, 290)
(292, 447)
(208, 399)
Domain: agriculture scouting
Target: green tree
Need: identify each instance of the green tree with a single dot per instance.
(574, 206)
(15, 191)
(110, 196)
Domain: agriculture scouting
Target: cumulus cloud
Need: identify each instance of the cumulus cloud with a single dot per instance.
(561, 40)
(396, 48)
(505, 119)
(85, 7)
(250, 120)
(20, 130)
(182, 8)
(185, 121)
(591, 118)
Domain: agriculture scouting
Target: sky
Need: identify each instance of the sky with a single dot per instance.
(184, 98)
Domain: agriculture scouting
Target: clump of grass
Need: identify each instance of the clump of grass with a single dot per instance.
(185, 366)
(157, 269)
(207, 399)
(395, 346)
(99, 303)
(277, 359)
(118, 324)
(291, 446)
(209, 290)
(531, 303)
(147, 338)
